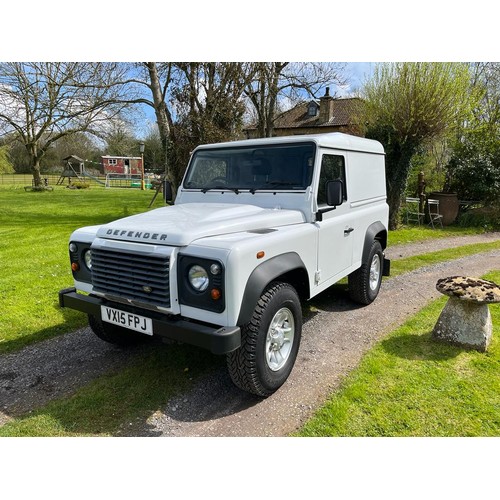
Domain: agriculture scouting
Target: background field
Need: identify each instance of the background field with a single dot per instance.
(34, 264)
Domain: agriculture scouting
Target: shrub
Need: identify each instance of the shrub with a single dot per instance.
(486, 217)
(474, 169)
(79, 185)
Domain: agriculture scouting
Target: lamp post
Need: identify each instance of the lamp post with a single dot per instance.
(141, 149)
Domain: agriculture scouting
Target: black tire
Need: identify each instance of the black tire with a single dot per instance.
(266, 356)
(115, 334)
(363, 284)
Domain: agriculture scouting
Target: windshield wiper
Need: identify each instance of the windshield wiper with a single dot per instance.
(205, 189)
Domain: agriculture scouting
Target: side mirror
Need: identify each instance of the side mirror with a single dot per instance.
(167, 191)
(334, 193)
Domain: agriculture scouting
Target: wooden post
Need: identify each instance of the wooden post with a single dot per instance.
(421, 192)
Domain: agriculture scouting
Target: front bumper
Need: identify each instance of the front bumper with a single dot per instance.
(217, 340)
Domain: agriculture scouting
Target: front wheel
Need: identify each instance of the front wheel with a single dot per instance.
(269, 342)
(364, 283)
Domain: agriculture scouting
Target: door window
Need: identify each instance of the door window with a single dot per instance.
(332, 168)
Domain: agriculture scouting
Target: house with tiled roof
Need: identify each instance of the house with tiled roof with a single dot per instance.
(328, 114)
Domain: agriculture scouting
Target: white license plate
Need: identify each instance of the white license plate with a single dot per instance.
(127, 320)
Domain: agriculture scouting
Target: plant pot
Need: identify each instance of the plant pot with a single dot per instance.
(448, 206)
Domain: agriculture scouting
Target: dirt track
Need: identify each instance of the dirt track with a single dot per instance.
(335, 337)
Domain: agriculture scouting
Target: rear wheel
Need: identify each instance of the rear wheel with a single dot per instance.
(364, 283)
(115, 334)
(269, 342)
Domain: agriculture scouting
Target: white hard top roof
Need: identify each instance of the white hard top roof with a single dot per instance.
(335, 140)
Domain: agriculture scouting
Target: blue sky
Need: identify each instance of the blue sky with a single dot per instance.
(358, 72)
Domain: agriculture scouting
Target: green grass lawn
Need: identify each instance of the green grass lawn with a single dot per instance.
(410, 385)
(408, 264)
(34, 264)
(414, 233)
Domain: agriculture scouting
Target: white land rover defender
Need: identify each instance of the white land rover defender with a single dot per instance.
(257, 226)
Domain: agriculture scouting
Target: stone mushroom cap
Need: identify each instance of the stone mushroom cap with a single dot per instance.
(469, 289)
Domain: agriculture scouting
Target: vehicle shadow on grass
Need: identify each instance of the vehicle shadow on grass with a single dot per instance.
(71, 321)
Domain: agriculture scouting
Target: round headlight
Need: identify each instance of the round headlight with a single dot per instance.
(198, 278)
(87, 256)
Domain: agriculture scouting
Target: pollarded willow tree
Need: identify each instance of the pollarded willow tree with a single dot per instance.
(410, 104)
(41, 102)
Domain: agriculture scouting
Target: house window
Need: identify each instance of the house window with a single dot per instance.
(312, 110)
(112, 161)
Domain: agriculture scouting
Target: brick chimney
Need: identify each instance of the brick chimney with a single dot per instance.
(326, 107)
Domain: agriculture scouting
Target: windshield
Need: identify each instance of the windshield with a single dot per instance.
(253, 168)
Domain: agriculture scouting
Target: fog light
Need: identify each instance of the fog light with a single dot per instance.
(72, 247)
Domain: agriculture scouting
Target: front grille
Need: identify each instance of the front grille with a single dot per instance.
(142, 278)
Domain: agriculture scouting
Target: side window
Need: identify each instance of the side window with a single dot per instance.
(332, 168)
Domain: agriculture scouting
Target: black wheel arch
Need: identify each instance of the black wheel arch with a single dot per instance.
(376, 231)
(287, 267)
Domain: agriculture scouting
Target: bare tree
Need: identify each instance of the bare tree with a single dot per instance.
(200, 102)
(209, 98)
(41, 102)
(486, 75)
(157, 78)
(274, 81)
(206, 100)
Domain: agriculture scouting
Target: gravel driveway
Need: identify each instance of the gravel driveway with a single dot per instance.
(334, 339)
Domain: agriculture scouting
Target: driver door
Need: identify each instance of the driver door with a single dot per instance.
(335, 229)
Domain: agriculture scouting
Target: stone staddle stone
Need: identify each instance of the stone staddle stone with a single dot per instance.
(466, 319)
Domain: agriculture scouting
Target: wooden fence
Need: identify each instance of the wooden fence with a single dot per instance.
(25, 179)
(21, 180)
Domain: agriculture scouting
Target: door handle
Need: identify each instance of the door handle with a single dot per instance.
(349, 230)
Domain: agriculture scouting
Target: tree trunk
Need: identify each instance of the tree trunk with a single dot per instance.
(162, 119)
(37, 179)
(35, 156)
(277, 68)
(398, 162)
